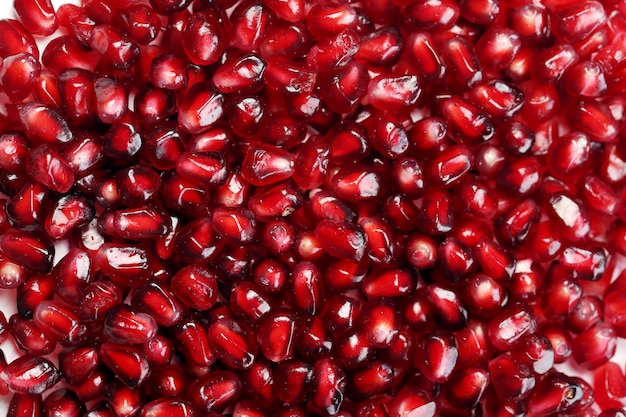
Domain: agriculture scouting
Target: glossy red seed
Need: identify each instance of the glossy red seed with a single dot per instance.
(77, 364)
(215, 391)
(412, 400)
(328, 384)
(127, 362)
(462, 62)
(507, 328)
(467, 124)
(595, 346)
(610, 386)
(577, 21)
(512, 380)
(557, 393)
(228, 341)
(30, 375)
(17, 39)
(97, 299)
(25, 405)
(59, 322)
(141, 23)
(122, 399)
(276, 335)
(125, 325)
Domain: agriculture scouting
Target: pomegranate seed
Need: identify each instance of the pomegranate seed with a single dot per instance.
(78, 364)
(328, 384)
(215, 391)
(412, 400)
(610, 389)
(127, 362)
(595, 346)
(17, 39)
(577, 21)
(124, 325)
(98, 298)
(25, 405)
(121, 399)
(141, 23)
(512, 380)
(64, 402)
(30, 375)
(463, 63)
(59, 322)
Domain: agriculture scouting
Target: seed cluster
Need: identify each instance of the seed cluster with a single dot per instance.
(378, 208)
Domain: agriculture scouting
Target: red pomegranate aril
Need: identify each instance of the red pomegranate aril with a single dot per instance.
(29, 338)
(484, 296)
(42, 123)
(586, 79)
(394, 93)
(577, 21)
(423, 53)
(334, 53)
(513, 227)
(64, 402)
(25, 405)
(473, 344)
(450, 311)
(228, 341)
(560, 340)
(536, 351)
(595, 119)
(276, 335)
(342, 240)
(421, 251)
(78, 364)
(215, 391)
(17, 39)
(168, 72)
(32, 250)
(24, 210)
(30, 294)
(499, 99)
(328, 384)
(438, 356)
(541, 103)
(569, 215)
(139, 223)
(114, 46)
(248, 302)
(250, 22)
(141, 23)
(497, 47)
(123, 139)
(18, 74)
(381, 48)
(381, 325)
(466, 388)
(121, 399)
(560, 297)
(127, 362)
(59, 322)
(595, 346)
(456, 258)
(610, 386)
(412, 401)
(157, 301)
(449, 167)
(158, 350)
(462, 62)
(557, 393)
(124, 325)
(97, 299)
(432, 14)
(466, 123)
(198, 242)
(436, 213)
(30, 375)
(507, 328)
(326, 20)
(123, 263)
(512, 380)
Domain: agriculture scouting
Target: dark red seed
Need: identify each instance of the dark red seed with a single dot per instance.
(30, 375)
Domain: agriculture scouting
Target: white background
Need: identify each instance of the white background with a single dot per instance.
(7, 298)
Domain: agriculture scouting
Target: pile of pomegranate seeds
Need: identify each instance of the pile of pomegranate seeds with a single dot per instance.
(290, 208)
